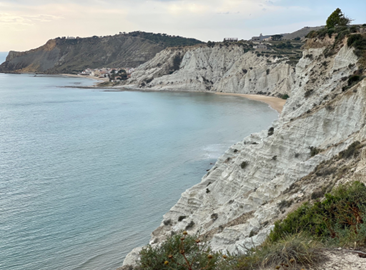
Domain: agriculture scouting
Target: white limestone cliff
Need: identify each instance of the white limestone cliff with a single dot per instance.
(263, 177)
(220, 68)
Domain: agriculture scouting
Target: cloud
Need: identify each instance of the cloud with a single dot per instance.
(7, 18)
(39, 20)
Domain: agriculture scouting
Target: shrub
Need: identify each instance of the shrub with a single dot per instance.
(176, 62)
(352, 39)
(359, 43)
(283, 96)
(322, 33)
(353, 29)
(352, 150)
(243, 164)
(182, 252)
(210, 44)
(339, 216)
(314, 151)
(308, 92)
(149, 80)
(270, 131)
(312, 34)
(290, 251)
(310, 56)
(353, 79)
(330, 32)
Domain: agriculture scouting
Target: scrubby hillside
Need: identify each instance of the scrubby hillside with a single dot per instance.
(71, 55)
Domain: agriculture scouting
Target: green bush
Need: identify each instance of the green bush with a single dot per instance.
(336, 220)
(244, 164)
(353, 38)
(322, 32)
(314, 151)
(353, 29)
(210, 44)
(353, 79)
(176, 62)
(351, 150)
(312, 34)
(293, 243)
(289, 252)
(308, 92)
(182, 252)
(357, 41)
(283, 96)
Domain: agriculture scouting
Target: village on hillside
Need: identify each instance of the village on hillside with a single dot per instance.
(112, 74)
(263, 44)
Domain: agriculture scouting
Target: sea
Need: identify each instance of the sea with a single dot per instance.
(3, 57)
(86, 175)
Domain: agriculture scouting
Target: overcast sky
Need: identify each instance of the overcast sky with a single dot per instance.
(27, 24)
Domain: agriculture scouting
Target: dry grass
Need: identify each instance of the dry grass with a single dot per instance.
(291, 252)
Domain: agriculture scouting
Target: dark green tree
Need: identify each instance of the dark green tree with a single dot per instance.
(337, 18)
(277, 37)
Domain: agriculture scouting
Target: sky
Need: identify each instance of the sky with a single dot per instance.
(27, 24)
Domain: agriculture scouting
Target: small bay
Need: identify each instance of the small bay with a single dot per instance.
(86, 175)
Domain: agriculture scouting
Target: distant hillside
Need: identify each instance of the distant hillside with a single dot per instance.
(297, 34)
(71, 55)
(302, 32)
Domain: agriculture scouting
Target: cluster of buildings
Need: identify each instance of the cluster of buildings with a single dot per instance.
(258, 42)
(106, 72)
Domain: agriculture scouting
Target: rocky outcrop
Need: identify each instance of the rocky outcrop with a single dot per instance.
(229, 68)
(72, 55)
(260, 179)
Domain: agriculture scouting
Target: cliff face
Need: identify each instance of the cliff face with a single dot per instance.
(268, 174)
(221, 68)
(62, 55)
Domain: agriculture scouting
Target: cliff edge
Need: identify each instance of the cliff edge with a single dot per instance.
(267, 175)
(221, 67)
(72, 55)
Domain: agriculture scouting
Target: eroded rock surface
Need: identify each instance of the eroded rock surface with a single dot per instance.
(260, 179)
(221, 68)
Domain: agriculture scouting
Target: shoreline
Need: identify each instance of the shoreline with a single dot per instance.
(274, 102)
(86, 77)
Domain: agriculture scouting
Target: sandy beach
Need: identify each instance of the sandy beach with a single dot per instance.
(274, 102)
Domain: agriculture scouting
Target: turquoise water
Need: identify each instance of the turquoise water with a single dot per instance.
(86, 175)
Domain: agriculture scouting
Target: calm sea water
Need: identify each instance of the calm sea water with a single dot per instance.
(86, 175)
(3, 57)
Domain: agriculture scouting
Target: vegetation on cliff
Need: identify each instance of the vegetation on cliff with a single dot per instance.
(337, 18)
(297, 241)
(338, 29)
(72, 55)
(168, 40)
